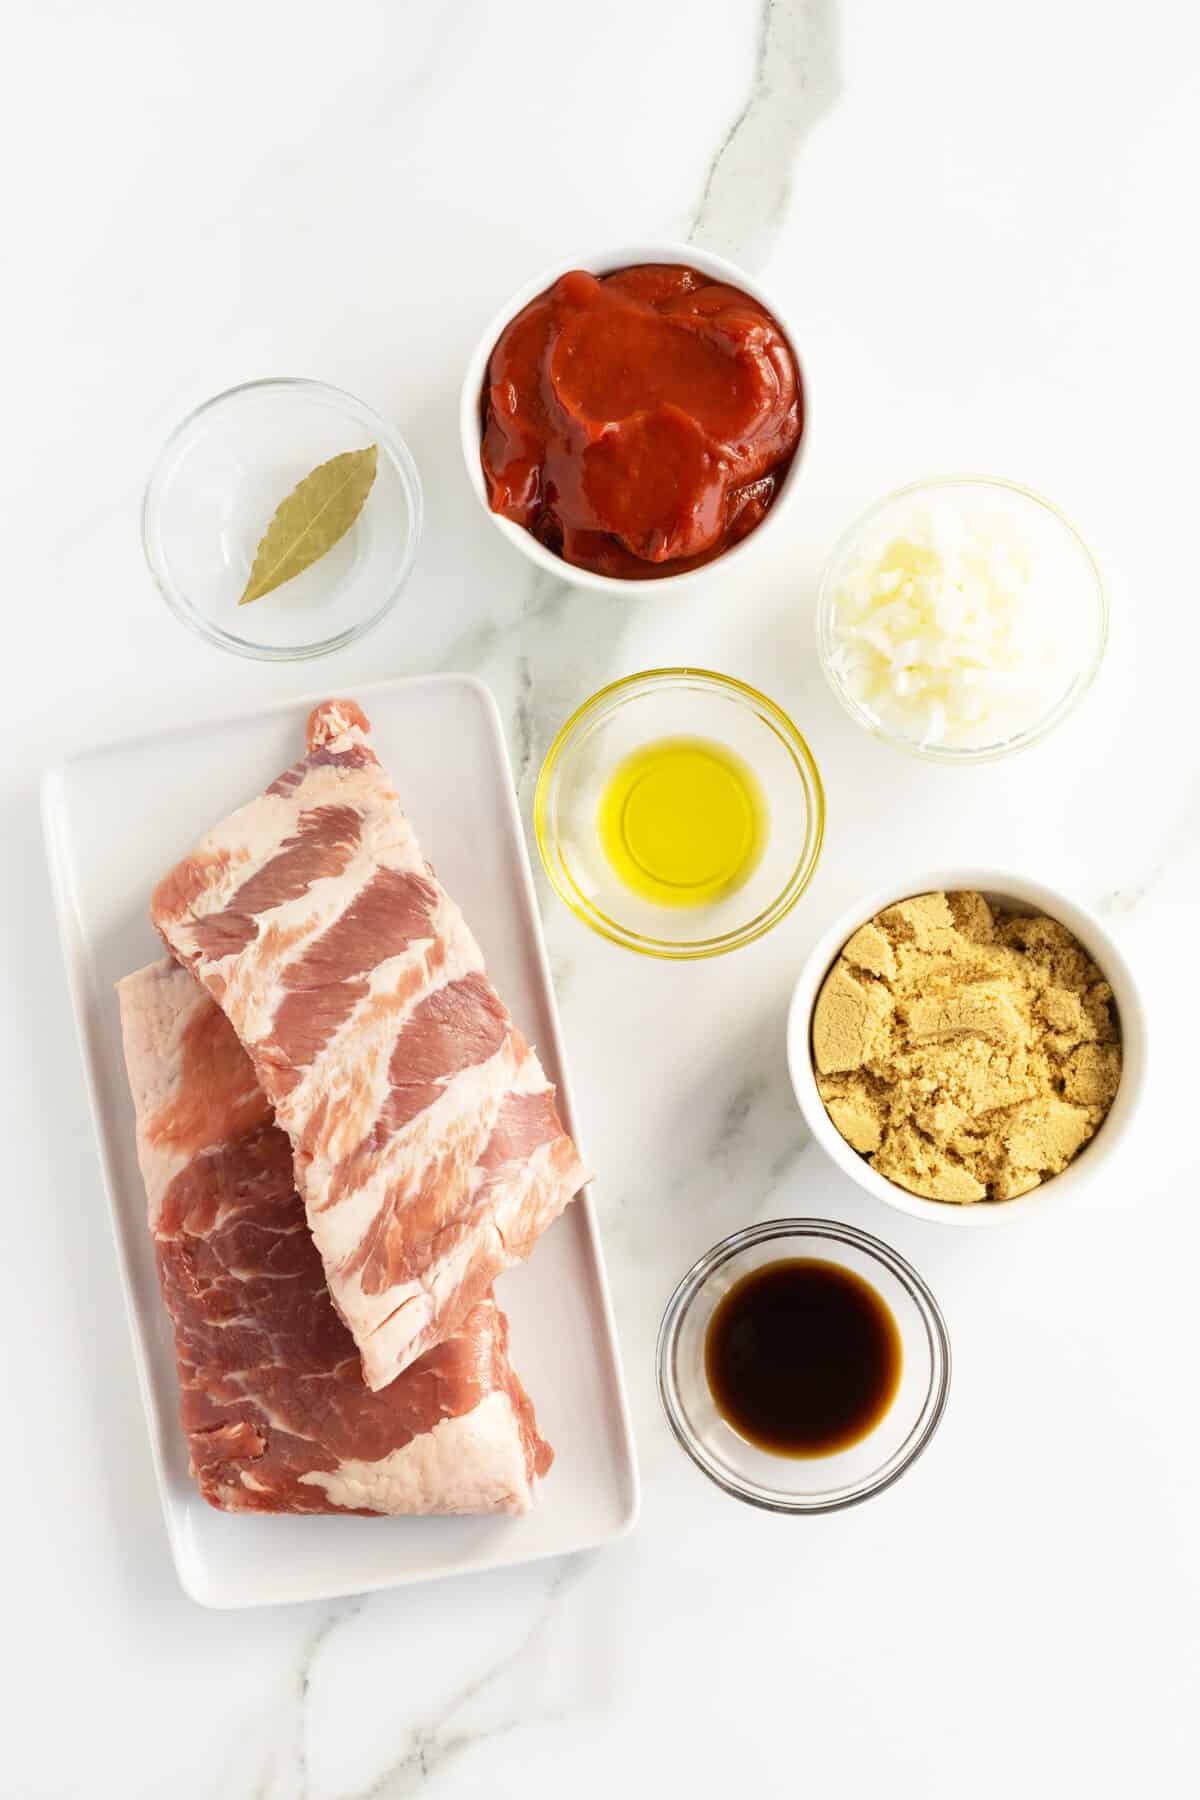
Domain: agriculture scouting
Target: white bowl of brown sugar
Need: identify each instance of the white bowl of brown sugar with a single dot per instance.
(967, 1043)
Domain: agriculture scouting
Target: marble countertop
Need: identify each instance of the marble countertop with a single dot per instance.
(982, 220)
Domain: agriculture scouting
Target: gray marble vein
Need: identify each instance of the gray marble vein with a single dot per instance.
(758, 1127)
(284, 1772)
(749, 179)
(570, 646)
(523, 724)
(727, 1170)
(547, 657)
(1179, 842)
(477, 646)
(437, 1739)
(337, 1615)
(543, 653)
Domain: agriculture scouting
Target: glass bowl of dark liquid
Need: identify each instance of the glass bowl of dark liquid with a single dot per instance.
(803, 1365)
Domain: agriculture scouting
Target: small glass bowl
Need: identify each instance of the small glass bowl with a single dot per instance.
(1058, 538)
(215, 487)
(803, 1484)
(636, 711)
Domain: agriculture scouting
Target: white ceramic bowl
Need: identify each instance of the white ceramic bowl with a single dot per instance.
(1010, 893)
(604, 262)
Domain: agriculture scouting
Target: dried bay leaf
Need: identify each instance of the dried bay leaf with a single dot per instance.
(318, 511)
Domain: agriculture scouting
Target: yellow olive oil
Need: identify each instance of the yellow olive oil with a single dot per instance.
(683, 821)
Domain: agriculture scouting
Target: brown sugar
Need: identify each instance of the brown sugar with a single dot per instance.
(967, 1054)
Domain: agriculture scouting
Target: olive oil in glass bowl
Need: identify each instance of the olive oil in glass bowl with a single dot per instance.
(680, 813)
(683, 821)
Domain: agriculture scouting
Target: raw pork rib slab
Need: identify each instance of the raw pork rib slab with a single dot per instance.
(428, 1147)
(276, 1413)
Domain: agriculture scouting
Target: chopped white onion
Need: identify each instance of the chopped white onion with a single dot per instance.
(962, 621)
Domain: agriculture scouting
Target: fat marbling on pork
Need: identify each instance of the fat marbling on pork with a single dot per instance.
(277, 1415)
(428, 1145)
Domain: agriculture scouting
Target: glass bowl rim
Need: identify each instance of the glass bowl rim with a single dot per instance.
(1022, 740)
(932, 1409)
(391, 441)
(802, 871)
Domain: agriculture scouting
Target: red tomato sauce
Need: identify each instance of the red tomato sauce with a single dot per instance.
(640, 424)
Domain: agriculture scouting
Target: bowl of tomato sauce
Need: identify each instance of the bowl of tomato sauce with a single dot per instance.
(636, 416)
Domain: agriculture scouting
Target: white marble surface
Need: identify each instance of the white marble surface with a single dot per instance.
(984, 222)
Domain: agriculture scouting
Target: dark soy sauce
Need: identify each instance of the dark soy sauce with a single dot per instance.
(802, 1357)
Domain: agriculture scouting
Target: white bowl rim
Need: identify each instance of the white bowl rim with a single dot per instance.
(1005, 885)
(603, 262)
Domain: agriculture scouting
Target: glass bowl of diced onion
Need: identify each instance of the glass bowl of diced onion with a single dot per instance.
(961, 618)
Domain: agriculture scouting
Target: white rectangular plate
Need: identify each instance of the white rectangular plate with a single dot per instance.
(116, 818)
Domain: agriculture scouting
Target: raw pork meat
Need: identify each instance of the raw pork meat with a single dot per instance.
(277, 1415)
(428, 1146)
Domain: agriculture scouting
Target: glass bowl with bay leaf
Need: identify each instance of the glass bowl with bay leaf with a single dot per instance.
(281, 519)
